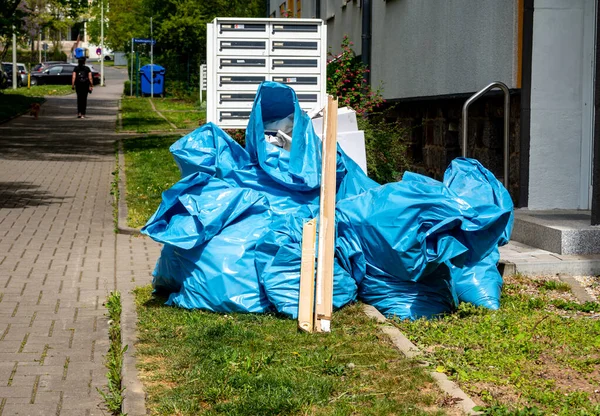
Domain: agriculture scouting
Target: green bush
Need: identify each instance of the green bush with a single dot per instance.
(385, 144)
(385, 141)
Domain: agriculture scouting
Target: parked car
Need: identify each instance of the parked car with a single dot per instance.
(59, 74)
(8, 69)
(44, 65)
(23, 73)
(3, 79)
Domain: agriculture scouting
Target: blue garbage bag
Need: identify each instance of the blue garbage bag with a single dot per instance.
(480, 283)
(278, 260)
(229, 197)
(232, 225)
(210, 230)
(406, 244)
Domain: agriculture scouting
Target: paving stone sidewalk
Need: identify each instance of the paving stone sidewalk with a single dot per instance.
(59, 255)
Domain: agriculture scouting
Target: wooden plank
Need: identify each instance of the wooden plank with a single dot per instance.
(306, 301)
(326, 249)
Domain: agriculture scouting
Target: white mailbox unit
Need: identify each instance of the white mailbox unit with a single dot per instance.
(243, 52)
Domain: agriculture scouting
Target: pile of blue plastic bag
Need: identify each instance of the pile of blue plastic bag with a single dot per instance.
(232, 226)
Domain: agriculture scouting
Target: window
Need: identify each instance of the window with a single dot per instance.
(282, 12)
(290, 8)
(55, 70)
(298, 8)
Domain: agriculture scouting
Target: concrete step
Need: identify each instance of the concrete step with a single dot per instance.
(558, 231)
(517, 257)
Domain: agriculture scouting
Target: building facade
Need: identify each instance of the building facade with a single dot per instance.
(431, 55)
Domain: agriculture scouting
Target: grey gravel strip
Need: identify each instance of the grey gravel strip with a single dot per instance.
(410, 350)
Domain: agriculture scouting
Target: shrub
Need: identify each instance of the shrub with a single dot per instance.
(384, 139)
(385, 145)
(347, 80)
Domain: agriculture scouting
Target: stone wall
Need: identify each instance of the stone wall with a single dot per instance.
(435, 139)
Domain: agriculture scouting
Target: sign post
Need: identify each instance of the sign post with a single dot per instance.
(131, 74)
(101, 44)
(151, 62)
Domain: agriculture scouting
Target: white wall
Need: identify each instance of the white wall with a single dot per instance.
(558, 104)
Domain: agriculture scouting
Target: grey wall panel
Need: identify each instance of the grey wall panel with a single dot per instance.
(438, 47)
(346, 20)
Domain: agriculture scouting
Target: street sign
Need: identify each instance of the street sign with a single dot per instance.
(152, 41)
(98, 51)
(45, 46)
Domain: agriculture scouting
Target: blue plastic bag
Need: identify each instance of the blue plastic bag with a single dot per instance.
(480, 283)
(232, 226)
(278, 259)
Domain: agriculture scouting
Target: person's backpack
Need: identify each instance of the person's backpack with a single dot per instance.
(81, 77)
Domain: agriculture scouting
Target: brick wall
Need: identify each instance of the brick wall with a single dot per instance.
(435, 126)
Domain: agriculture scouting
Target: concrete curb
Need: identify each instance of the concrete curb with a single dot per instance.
(507, 268)
(410, 350)
(134, 397)
(122, 227)
(578, 291)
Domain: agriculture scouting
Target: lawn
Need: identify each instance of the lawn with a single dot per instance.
(15, 102)
(541, 350)
(149, 169)
(138, 115)
(196, 362)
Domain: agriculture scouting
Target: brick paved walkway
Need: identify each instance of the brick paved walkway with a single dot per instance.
(58, 255)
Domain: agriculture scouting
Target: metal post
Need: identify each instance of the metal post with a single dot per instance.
(151, 62)
(131, 74)
(102, 44)
(14, 60)
(40, 46)
(137, 72)
(465, 118)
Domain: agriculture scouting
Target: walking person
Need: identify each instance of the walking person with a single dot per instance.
(83, 85)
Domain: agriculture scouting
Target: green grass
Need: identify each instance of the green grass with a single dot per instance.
(113, 397)
(185, 114)
(138, 116)
(172, 104)
(196, 362)
(149, 169)
(538, 351)
(19, 101)
(40, 90)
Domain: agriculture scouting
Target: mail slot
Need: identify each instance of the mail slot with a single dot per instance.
(231, 29)
(305, 30)
(292, 44)
(295, 48)
(242, 65)
(232, 79)
(308, 98)
(242, 47)
(297, 80)
(230, 99)
(237, 62)
(233, 115)
(295, 63)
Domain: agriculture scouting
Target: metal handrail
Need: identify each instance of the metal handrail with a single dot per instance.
(465, 117)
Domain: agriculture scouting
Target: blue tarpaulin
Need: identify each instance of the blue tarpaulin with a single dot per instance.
(232, 226)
